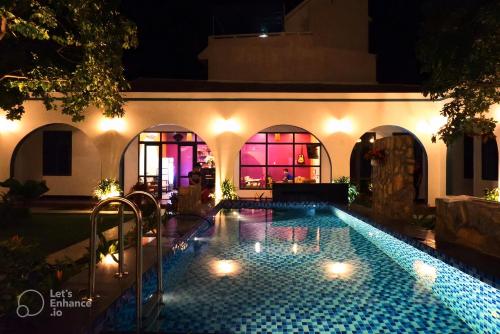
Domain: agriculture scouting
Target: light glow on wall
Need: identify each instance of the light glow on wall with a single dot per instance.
(112, 124)
(344, 125)
(496, 112)
(8, 126)
(432, 125)
(226, 125)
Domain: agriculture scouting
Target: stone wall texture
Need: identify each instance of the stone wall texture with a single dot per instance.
(469, 221)
(392, 179)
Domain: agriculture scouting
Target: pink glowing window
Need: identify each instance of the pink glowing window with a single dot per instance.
(252, 177)
(307, 174)
(257, 138)
(309, 152)
(278, 173)
(280, 137)
(279, 154)
(305, 138)
(253, 154)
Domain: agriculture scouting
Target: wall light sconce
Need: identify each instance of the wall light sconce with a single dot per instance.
(226, 125)
(7, 126)
(112, 124)
(339, 125)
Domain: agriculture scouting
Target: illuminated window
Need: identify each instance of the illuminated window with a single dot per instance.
(166, 158)
(265, 156)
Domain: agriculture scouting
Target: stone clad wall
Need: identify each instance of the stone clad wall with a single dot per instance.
(392, 180)
(469, 221)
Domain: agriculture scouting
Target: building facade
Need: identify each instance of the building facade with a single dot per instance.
(225, 121)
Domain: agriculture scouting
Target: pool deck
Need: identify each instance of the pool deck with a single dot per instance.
(79, 320)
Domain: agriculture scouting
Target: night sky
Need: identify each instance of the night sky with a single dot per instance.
(173, 32)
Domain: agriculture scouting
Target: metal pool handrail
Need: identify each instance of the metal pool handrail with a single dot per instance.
(138, 258)
(158, 237)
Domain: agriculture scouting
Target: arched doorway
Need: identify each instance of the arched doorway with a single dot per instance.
(62, 155)
(162, 156)
(361, 169)
(281, 153)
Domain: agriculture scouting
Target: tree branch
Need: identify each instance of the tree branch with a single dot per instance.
(8, 76)
(3, 27)
(60, 53)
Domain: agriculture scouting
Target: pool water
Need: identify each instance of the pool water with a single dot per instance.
(312, 271)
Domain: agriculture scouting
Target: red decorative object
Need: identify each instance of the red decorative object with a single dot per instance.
(376, 154)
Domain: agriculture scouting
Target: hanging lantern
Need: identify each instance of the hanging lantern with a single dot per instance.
(277, 136)
(189, 136)
(178, 137)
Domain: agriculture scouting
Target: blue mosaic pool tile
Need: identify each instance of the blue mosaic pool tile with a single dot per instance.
(285, 292)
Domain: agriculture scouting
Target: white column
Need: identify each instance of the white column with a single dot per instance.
(436, 155)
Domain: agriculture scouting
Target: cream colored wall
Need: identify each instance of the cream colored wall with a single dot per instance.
(286, 58)
(341, 24)
(337, 119)
(85, 169)
(131, 165)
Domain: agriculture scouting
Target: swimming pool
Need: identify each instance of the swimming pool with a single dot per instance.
(312, 271)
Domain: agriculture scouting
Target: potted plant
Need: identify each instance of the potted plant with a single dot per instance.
(492, 194)
(352, 192)
(376, 156)
(422, 225)
(228, 190)
(107, 188)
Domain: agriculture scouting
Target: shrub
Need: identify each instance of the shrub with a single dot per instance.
(228, 190)
(14, 204)
(427, 222)
(107, 188)
(22, 267)
(352, 192)
(492, 194)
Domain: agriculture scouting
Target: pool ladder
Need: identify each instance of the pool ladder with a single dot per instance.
(125, 201)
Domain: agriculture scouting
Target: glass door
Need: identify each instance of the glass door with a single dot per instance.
(149, 166)
(186, 163)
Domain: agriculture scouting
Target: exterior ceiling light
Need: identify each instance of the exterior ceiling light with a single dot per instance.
(263, 35)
